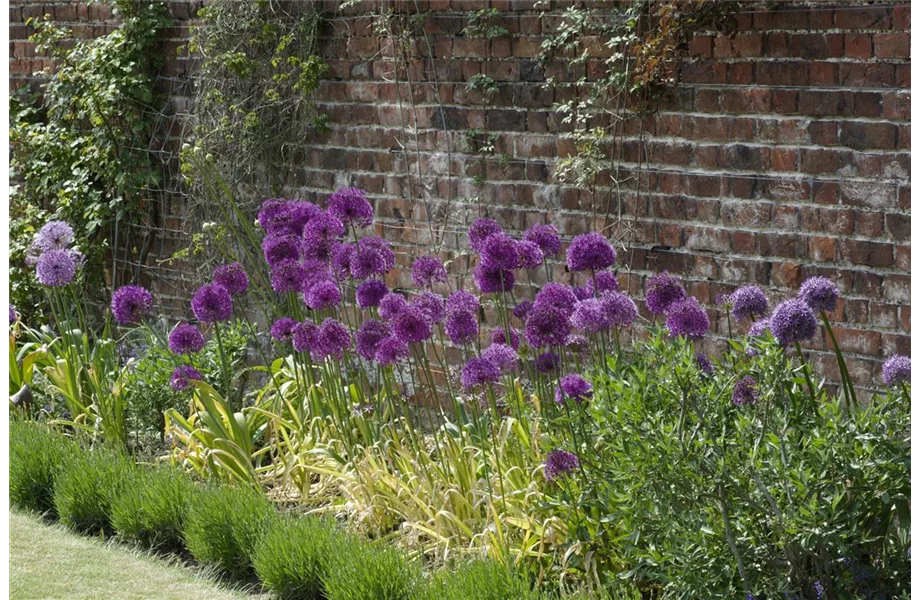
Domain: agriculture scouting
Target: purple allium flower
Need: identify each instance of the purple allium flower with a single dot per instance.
(283, 329)
(559, 463)
(576, 342)
(391, 350)
(324, 228)
(757, 329)
(529, 255)
(896, 370)
(461, 327)
(687, 318)
(54, 235)
(490, 281)
(13, 315)
(462, 301)
(332, 340)
(319, 249)
(522, 309)
(369, 293)
(351, 207)
(748, 301)
(314, 271)
(288, 277)
(185, 338)
(546, 237)
(431, 306)
(305, 336)
(428, 270)
(793, 321)
(498, 337)
(661, 291)
(703, 362)
(477, 372)
(573, 387)
(323, 294)
(300, 213)
(212, 303)
(383, 248)
(590, 251)
(546, 325)
(369, 336)
(182, 377)
(278, 249)
(502, 356)
(745, 392)
(819, 590)
(819, 293)
(411, 326)
(391, 305)
(547, 362)
(603, 281)
(582, 292)
(499, 252)
(232, 277)
(558, 296)
(55, 268)
(367, 261)
(590, 316)
(342, 255)
(130, 304)
(273, 215)
(621, 310)
(481, 229)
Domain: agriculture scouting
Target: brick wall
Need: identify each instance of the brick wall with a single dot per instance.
(784, 153)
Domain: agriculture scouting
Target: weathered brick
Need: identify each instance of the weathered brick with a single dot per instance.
(862, 135)
(891, 45)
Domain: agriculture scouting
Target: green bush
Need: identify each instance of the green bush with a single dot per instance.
(85, 487)
(224, 526)
(36, 455)
(358, 570)
(152, 508)
(291, 557)
(480, 580)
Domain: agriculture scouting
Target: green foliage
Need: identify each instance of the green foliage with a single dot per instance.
(152, 507)
(481, 580)
(36, 456)
(482, 23)
(79, 148)
(224, 526)
(86, 486)
(291, 557)
(359, 570)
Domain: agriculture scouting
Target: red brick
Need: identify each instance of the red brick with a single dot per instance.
(869, 254)
(858, 45)
(901, 17)
(863, 135)
(822, 249)
(701, 45)
(866, 18)
(783, 159)
(891, 45)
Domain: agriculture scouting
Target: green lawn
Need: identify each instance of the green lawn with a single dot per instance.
(47, 561)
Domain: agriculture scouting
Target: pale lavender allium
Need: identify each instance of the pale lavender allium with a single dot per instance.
(896, 370)
(130, 304)
(819, 293)
(793, 321)
(590, 252)
(55, 268)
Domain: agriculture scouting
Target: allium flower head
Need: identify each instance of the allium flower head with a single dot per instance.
(283, 329)
(314, 272)
(477, 372)
(603, 281)
(819, 293)
(305, 336)
(558, 464)
(369, 336)
(558, 296)
(661, 291)
(322, 294)
(233, 277)
(582, 292)
(332, 340)
(573, 387)
(576, 342)
(546, 237)
(391, 305)
(300, 213)
(428, 270)
(546, 362)
(212, 303)
(481, 229)
(383, 248)
(367, 261)
(703, 362)
(793, 321)
(280, 248)
(546, 325)
(687, 318)
(54, 235)
(55, 268)
(319, 249)
(182, 377)
(498, 337)
(522, 309)
(391, 350)
(369, 293)
(185, 338)
(748, 301)
(621, 310)
(502, 356)
(499, 252)
(13, 315)
(288, 276)
(273, 215)
(590, 316)
(431, 306)
(411, 326)
(745, 391)
(461, 327)
(896, 370)
(590, 251)
(323, 228)
(351, 207)
(130, 304)
(529, 255)
(490, 281)
(342, 255)
(462, 301)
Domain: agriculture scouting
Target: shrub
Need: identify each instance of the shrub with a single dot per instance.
(36, 454)
(224, 526)
(85, 487)
(481, 580)
(359, 570)
(291, 557)
(152, 508)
